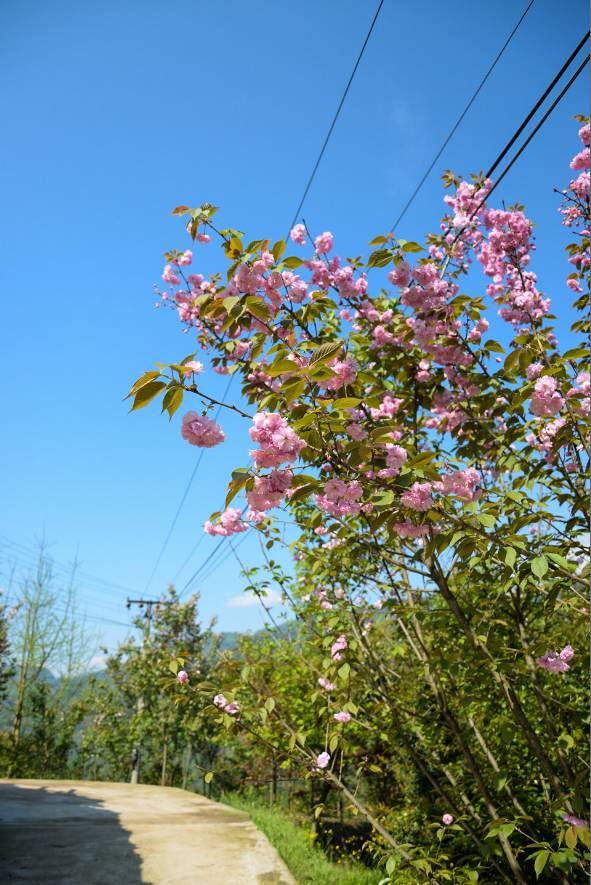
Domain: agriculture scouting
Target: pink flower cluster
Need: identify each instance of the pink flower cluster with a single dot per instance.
(408, 529)
(578, 395)
(462, 483)
(298, 234)
(182, 677)
(201, 431)
(345, 372)
(343, 716)
(418, 497)
(556, 662)
(278, 443)
(230, 523)
(340, 498)
(546, 399)
(326, 684)
(230, 707)
(322, 760)
(337, 647)
(388, 408)
(268, 491)
(323, 243)
(395, 458)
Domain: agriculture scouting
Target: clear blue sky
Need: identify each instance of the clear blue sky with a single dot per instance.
(116, 112)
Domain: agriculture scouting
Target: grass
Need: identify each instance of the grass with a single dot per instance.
(307, 864)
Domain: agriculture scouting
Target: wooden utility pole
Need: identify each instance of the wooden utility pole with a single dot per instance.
(142, 604)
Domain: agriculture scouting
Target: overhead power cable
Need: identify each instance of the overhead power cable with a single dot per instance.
(336, 115)
(534, 131)
(456, 125)
(184, 498)
(538, 104)
(221, 560)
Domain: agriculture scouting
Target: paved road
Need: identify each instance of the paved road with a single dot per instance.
(88, 833)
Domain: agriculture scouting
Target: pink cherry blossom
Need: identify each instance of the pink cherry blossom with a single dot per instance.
(326, 684)
(400, 276)
(169, 276)
(194, 366)
(556, 662)
(340, 498)
(298, 234)
(546, 400)
(229, 524)
(230, 707)
(463, 483)
(201, 431)
(343, 716)
(447, 819)
(575, 821)
(418, 497)
(345, 372)
(323, 243)
(278, 442)
(322, 760)
(182, 677)
(186, 258)
(338, 646)
(534, 370)
(395, 458)
(268, 491)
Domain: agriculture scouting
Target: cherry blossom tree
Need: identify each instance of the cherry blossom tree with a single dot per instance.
(435, 481)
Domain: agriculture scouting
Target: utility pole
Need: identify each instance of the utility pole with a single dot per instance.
(142, 604)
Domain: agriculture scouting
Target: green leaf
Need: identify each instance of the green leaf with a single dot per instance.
(344, 671)
(324, 353)
(570, 837)
(230, 301)
(292, 261)
(146, 394)
(278, 249)
(487, 520)
(510, 556)
(378, 241)
(141, 382)
(539, 566)
(412, 247)
(172, 400)
(281, 367)
(346, 402)
(541, 861)
(208, 777)
(258, 308)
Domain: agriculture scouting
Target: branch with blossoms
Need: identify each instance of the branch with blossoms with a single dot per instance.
(423, 441)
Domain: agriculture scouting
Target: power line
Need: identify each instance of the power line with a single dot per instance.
(220, 562)
(183, 499)
(537, 105)
(22, 549)
(460, 118)
(534, 131)
(336, 116)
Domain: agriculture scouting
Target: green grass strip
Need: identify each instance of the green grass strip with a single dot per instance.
(307, 863)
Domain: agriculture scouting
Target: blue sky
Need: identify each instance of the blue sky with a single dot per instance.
(115, 113)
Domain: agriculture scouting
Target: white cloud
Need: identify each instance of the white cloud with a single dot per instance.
(247, 600)
(97, 662)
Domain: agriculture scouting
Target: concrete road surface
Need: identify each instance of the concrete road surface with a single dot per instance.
(89, 833)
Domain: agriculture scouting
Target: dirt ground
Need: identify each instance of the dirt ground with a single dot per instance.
(88, 833)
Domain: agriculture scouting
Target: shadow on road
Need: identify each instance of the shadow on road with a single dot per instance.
(62, 838)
